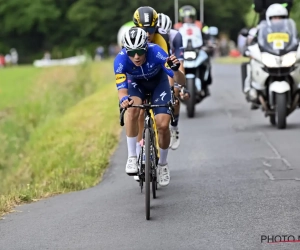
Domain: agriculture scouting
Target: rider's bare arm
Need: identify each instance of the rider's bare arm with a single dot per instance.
(122, 93)
(181, 68)
(179, 76)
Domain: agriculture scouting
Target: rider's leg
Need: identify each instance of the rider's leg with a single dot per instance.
(208, 81)
(131, 123)
(247, 86)
(162, 123)
(244, 73)
(247, 82)
(162, 95)
(175, 141)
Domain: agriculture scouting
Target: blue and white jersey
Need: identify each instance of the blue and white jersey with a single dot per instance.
(155, 62)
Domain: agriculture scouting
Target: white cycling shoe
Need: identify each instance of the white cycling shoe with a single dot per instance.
(163, 175)
(131, 166)
(174, 140)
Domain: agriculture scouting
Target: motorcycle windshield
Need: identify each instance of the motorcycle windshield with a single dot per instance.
(279, 37)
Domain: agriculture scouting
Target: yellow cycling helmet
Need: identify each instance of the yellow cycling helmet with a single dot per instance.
(145, 17)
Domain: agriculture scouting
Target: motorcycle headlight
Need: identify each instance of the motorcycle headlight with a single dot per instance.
(289, 59)
(271, 61)
(190, 55)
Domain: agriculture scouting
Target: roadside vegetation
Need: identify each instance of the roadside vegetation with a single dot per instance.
(58, 128)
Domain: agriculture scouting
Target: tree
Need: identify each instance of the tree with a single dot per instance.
(32, 26)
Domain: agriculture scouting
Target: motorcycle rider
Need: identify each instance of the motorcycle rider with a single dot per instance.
(274, 12)
(188, 14)
(261, 6)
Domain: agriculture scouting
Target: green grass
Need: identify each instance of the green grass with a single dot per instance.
(231, 60)
(59, 136)
(15, 84)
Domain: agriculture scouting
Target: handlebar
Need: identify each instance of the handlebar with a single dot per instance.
(146, 107)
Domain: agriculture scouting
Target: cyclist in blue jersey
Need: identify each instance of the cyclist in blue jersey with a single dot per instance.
(142, 67)
(175, 47)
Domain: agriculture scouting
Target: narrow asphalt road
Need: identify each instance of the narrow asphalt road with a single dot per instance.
(233, 180)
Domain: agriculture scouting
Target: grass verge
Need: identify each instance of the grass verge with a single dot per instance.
(60, 139)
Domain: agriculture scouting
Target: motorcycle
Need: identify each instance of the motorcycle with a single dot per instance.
(196, 64)
(275, 72)
(212, 41)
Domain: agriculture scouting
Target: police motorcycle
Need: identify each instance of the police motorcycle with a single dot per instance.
(196, 64)
(275, 71)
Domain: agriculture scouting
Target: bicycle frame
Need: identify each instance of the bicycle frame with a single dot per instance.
(149, 116)
(150, 150)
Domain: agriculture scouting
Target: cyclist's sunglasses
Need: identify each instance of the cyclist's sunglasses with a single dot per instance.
(132, 53)
(150, 30)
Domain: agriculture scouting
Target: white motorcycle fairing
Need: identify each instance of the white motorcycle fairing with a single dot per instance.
(188, 62)
(279, 87)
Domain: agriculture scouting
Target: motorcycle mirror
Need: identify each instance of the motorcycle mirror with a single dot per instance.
(213, 31)
(244, 32)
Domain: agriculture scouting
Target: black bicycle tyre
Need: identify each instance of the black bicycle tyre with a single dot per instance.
(147, 173)
(154, 182)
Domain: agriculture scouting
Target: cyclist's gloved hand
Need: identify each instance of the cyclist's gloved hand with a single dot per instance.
(126, 101)
(173, 62)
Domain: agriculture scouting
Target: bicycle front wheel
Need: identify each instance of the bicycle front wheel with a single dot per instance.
(147, 173)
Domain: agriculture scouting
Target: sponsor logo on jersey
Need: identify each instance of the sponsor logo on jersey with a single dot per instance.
(120, 78)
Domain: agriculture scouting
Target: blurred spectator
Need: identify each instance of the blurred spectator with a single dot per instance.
(2, 61)
(99, 53)
(14, 56)
(47, 55)
(8, 60)
(112, 50)
(224, 46)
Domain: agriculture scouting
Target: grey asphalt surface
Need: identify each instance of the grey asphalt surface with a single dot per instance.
(233, 179)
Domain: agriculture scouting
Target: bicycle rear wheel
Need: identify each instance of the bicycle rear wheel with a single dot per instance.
(147, 173)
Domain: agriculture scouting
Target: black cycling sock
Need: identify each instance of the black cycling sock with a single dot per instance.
(175, 123)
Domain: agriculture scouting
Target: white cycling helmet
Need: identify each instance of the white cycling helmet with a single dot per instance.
(275, 10)
(135, 38)
(164, 22)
